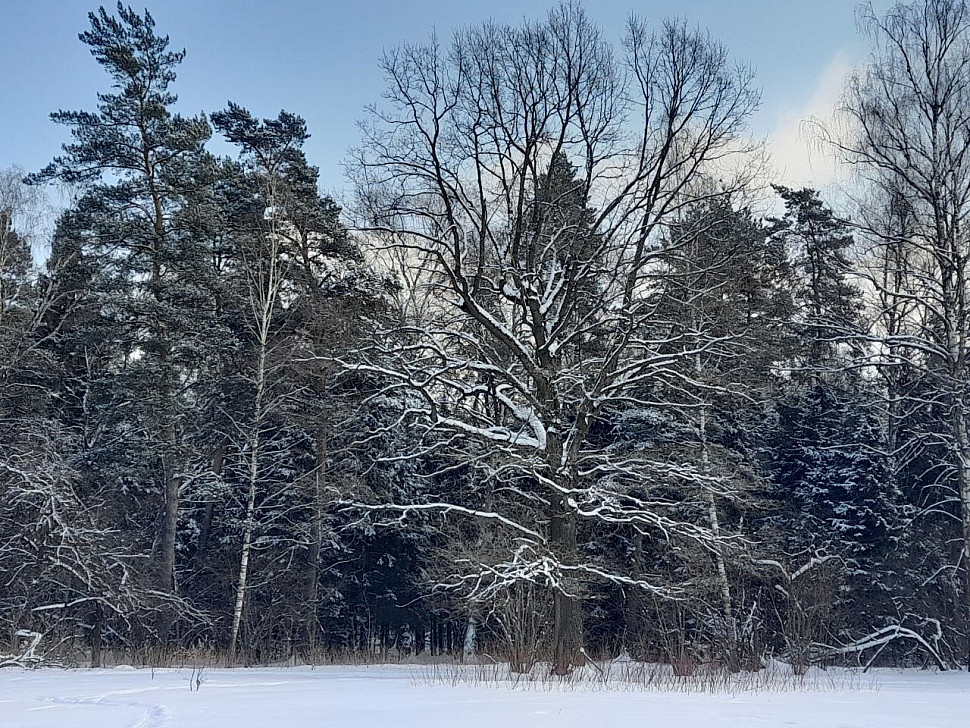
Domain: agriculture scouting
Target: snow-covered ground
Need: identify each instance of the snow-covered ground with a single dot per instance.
(402, 697)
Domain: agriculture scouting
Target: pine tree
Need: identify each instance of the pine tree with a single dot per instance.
(139, 164)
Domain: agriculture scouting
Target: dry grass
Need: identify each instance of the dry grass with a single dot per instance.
(629, 676)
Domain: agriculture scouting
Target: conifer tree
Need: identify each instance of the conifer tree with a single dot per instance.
(138, 163)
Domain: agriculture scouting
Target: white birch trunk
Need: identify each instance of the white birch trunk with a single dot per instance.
(264, 287)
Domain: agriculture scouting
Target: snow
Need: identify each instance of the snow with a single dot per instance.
(403, 697)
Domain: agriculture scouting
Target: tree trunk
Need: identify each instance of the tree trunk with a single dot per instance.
(218, 457)
(567, 624)
(468, 648)
(243, 575)
(633, 641)
(724, 587)
(312, 576)
(166, 549)
(255, 443)
(962, 437)
(170, 496)
(720, 564)
(97, 626)
(954, 290)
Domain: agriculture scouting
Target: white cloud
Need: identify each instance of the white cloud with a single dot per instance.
(797, 156)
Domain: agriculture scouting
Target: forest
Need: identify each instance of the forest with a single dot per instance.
(550, 387)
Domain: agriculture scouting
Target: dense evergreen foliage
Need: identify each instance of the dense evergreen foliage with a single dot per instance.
(561, 394)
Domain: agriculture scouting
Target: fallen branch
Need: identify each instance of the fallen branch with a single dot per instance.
(29, 657)
(880, 638)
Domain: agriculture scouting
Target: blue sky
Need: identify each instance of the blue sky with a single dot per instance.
(318, 58)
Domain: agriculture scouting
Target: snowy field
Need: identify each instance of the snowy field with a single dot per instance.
(402, 697)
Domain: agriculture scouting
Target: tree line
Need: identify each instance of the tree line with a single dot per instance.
(549, 390)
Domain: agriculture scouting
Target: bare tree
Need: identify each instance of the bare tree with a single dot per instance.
(907, 134)
(68, 574)
(534, 173)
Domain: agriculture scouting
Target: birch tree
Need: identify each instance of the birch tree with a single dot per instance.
(303, 289)
(907, 133)
(726, 282)
(268, 148)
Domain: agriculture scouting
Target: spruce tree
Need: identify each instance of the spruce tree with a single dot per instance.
(831, 484)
